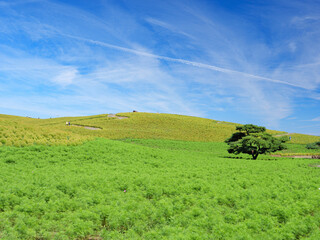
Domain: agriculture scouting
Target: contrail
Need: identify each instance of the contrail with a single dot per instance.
(195, 64)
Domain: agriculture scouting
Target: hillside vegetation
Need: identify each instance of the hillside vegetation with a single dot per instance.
(154, 189)
(142, 183)
(22, 131)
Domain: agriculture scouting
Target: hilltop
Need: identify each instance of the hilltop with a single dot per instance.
(22, 131)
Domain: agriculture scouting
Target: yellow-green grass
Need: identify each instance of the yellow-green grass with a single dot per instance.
(160, 126)
(21, 131)
(303, 138)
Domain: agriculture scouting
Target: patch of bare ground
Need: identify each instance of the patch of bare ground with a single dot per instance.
(315, 165)
(284, 134)
(293, 156)
(86, 127)
(115, 116)
(298, 156)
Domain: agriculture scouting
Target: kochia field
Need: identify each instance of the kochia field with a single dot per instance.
(155, 189)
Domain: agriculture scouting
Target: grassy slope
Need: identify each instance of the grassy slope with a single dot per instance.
(297, 149)
(21, 131)
(175, 190)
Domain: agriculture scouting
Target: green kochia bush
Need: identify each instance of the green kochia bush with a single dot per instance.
(174, 190)
(315, 145)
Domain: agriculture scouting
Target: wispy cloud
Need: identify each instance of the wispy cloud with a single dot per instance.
(187, 62)
(66, 76)
(169, 27)
(317, 119)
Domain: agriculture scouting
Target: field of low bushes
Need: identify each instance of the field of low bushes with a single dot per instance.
(155, 189)
(21, 131)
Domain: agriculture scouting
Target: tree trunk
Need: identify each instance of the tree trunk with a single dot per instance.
(254, 155)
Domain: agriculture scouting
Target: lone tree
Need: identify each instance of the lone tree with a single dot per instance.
(254, 140)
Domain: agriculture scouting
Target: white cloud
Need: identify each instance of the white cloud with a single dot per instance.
(317, 119)
(66, 76)
(187, 62)
(292, 46)
(167, 26)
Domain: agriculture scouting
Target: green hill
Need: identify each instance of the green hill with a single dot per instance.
(22, 131)
(149, 185)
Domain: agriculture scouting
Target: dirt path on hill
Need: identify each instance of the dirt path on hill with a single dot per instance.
(284, 134)
(115, 116)
(97, 128)
(86, 127)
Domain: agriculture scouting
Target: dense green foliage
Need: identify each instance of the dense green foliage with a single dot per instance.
(315, 145)
(254, 140)
(174, 190)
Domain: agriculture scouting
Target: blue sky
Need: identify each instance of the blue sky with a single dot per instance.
(239, 61)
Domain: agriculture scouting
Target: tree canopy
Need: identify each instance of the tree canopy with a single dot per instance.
(254, 140)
